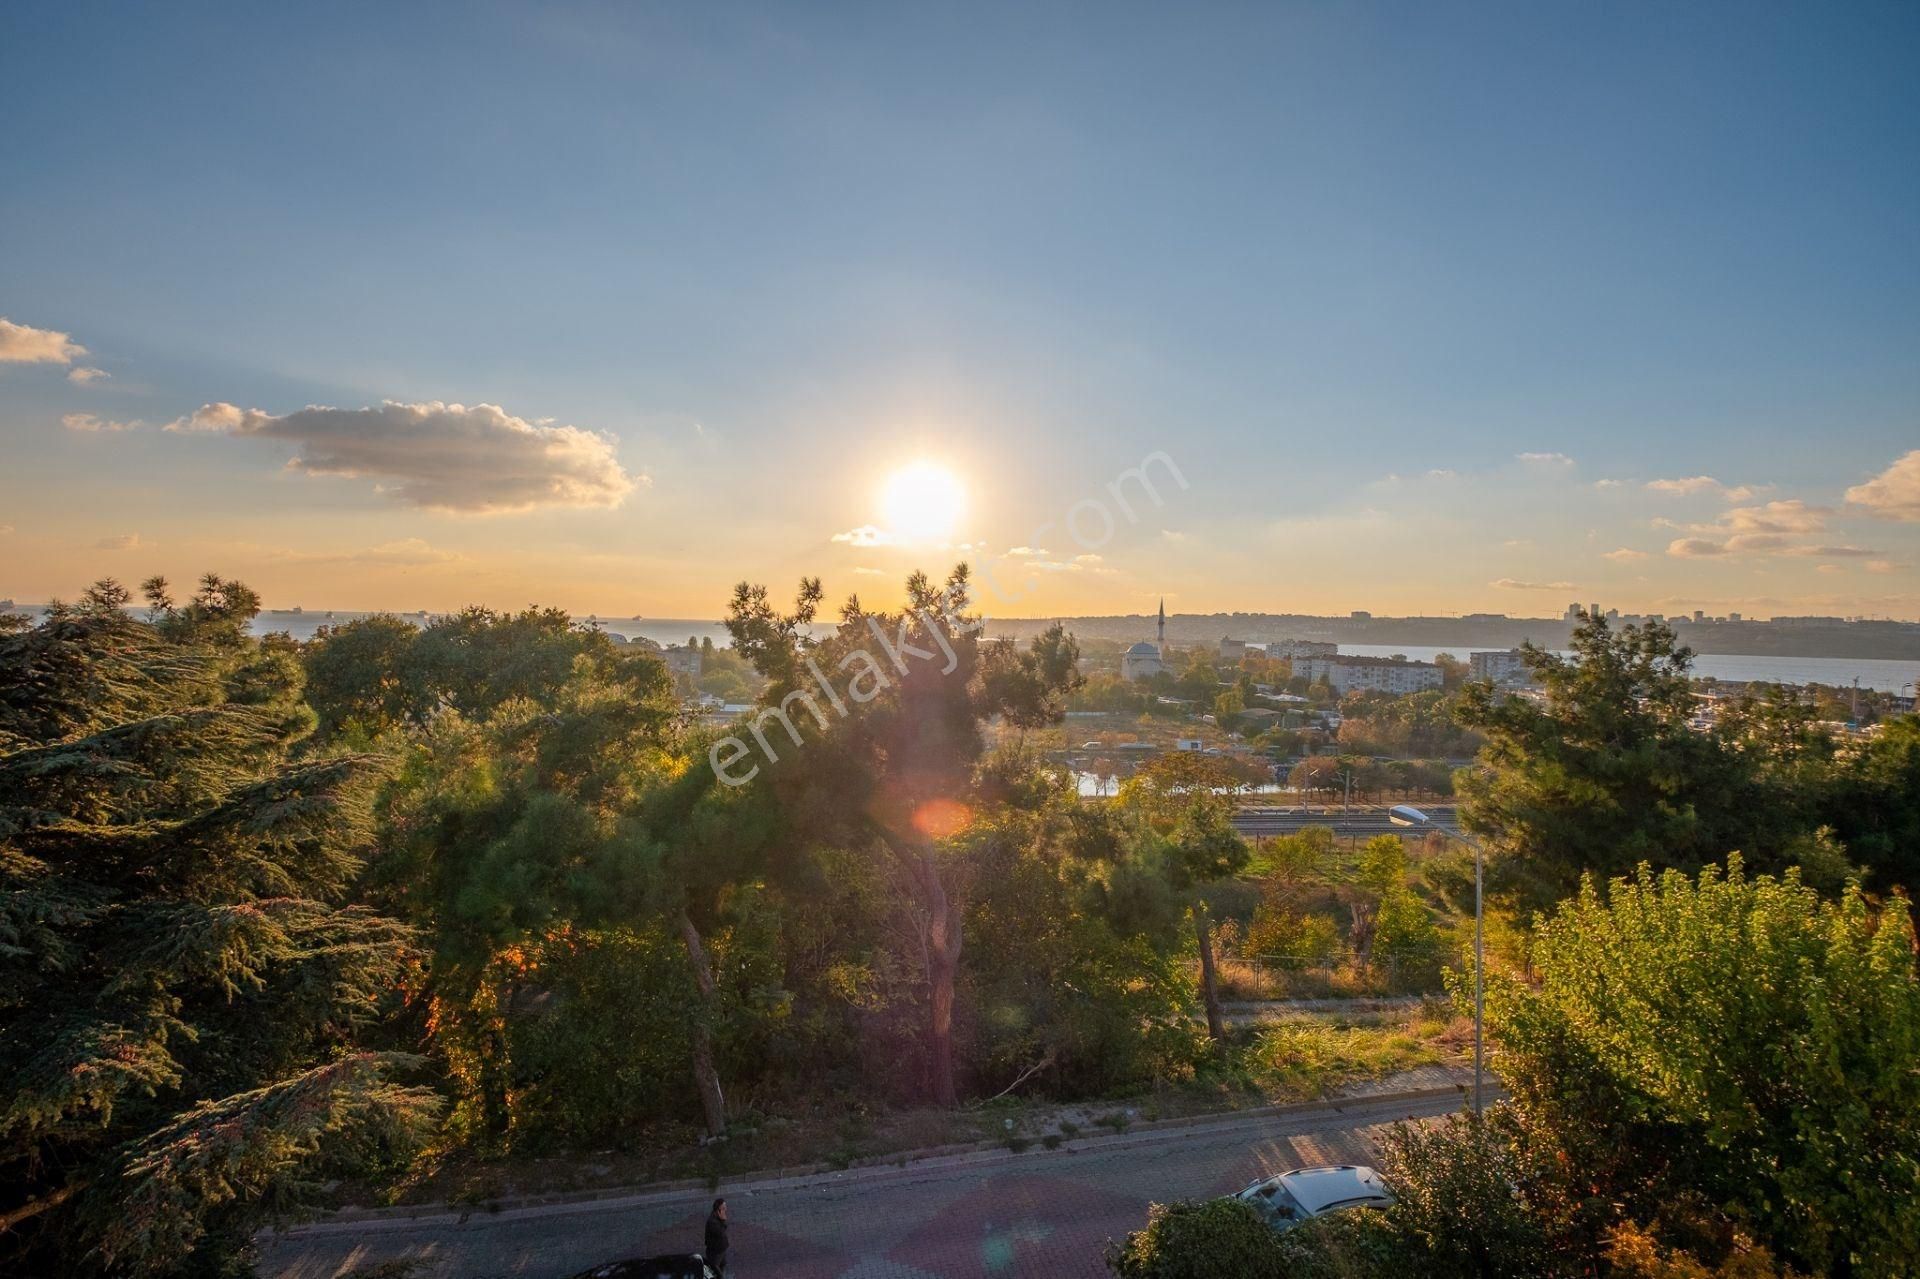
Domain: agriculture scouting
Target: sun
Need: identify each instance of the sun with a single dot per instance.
(922, 502)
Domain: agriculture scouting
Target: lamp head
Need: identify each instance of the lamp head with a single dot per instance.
(1407, 815)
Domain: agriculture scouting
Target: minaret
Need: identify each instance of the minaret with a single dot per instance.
(1160, 636)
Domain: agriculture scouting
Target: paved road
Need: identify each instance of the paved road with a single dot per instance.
(1360, 821)
(988, 1216)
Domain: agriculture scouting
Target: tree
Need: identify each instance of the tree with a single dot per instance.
(1731, 1042)
(1186, 802)
(506, 836)
(893, 769)
(217, 615)
(1607, 772)
(696, 836)
(1870, 799)
(1472, 1198)
(362, 672)
(180, 981)
(1316, 775)
(1281, 926)
(1712, 1077)
(1075, 974)
(1189, 1240)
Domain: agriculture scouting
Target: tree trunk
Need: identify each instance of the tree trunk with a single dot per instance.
(1209, 987)
(705, 1077)
(34, 1207)
(943, 966)
(943, 942)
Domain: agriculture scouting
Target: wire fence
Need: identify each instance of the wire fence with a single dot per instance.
(1392, 969)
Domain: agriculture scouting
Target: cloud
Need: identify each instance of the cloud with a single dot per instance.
(89, 422)
(406, 552)
(1696, 484)
(1893, 494)
(84, 376)
(1684, 488)
(1881, 566)
(1609, 484)
(1038, 561)
(1624, 555)
(212, 418)
(1833, 552)
(444, 457)
(863, 571)
(1760, 542)
(123, 542)
(1768, 529)
(1027, 551)
(1789, 516)
(1514, 584)
(865, 535)
(22, 345)
(1554, 461)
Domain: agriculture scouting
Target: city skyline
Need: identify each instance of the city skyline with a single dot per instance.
(619, 308)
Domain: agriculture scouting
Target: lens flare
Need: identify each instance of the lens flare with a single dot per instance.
(923, 502)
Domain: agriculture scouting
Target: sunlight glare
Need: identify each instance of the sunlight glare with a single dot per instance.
(922, 502)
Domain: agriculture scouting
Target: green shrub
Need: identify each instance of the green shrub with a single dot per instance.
(1279, 931)
(1467, 1205)
(1406, 940)
(1107, 1008)
(576, 1037)
(1739, 1039)
(1207, 1240)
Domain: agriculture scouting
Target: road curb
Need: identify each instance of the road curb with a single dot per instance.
(879, 1165)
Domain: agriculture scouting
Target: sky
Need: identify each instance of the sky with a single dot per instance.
(1415, 309)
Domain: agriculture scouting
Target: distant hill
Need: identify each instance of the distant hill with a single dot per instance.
(1892, 641)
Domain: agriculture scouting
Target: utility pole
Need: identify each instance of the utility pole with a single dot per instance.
(1408, 815)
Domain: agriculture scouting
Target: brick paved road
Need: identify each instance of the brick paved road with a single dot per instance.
(1041, 1214)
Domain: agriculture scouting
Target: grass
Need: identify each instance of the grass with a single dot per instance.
(1307, 1056)
(1241, 980)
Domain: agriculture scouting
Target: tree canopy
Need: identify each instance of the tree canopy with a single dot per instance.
(181, 979)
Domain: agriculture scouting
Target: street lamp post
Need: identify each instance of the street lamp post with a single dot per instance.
(1408, 815)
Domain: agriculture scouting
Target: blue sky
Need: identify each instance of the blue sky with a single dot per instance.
(760, 258)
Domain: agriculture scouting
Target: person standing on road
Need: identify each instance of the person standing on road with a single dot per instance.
(716, 1251)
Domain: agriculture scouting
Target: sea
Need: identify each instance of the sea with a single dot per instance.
(1886, 675)
(1839, 672)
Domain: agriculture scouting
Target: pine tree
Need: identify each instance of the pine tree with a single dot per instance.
(179, 979)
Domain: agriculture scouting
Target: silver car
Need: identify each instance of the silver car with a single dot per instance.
(1293, 1197)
